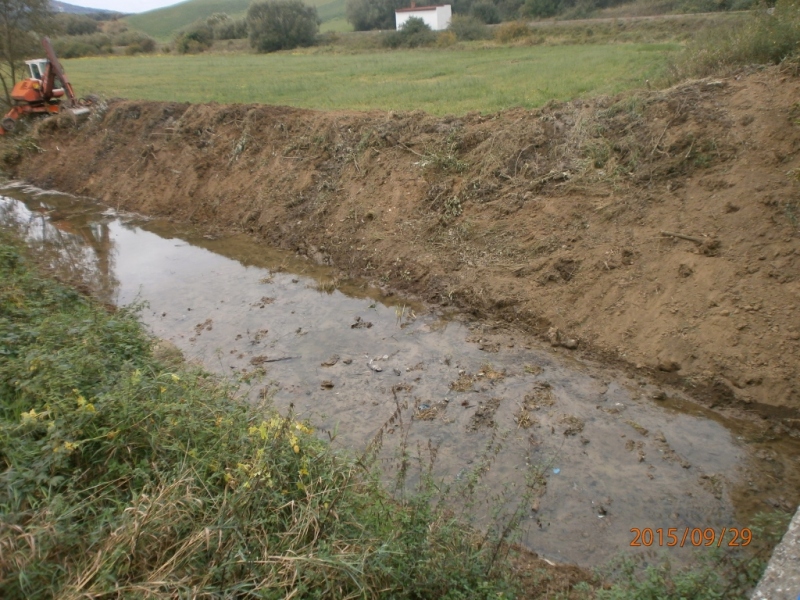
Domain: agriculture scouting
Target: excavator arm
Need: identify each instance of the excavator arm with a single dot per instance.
(56, 70)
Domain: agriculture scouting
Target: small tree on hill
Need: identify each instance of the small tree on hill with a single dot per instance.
(281, 25)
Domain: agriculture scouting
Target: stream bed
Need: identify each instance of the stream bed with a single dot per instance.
(599, 452)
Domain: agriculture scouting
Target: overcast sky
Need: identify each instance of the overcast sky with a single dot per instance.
(125, 6)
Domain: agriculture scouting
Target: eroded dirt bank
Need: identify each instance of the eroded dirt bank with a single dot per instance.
(550, 219)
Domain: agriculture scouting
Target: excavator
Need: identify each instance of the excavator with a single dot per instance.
(39, 95)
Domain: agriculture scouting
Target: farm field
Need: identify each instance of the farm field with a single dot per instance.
(436, 81)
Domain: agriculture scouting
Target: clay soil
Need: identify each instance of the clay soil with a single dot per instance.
(561, 221)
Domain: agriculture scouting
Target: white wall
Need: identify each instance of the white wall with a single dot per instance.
(435, 19)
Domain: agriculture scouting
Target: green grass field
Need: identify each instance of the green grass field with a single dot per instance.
(436, 81)
(162, 23)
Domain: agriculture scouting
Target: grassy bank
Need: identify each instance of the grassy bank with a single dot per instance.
(128, 476)
(436, 81)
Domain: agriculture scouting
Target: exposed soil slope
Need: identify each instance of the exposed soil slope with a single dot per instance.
(547, 219)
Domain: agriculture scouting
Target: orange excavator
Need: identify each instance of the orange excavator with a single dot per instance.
(38, 94)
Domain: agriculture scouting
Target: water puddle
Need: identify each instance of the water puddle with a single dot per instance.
(607, 456)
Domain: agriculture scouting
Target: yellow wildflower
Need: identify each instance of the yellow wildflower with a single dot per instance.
(112, 434)
(30, 416)
(303, 471)
(175, 377)
(81, 400)
(69, 447)
(296, 449)
(163, 389)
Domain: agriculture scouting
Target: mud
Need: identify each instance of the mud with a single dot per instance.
(584, 451)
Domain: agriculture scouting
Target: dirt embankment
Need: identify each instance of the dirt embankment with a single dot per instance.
(546, 219)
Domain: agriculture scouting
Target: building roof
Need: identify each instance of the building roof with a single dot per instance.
(419, 8)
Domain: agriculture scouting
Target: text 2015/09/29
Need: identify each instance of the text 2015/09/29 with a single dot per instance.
(694, 536)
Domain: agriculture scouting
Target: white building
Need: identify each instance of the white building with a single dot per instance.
(436, 17)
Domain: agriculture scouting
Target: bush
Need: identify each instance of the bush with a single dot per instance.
(365, 15)
(197, 37)
(281, 25)
(134, 38)
(485, 11)
(541, 9)
(514, 30)
(70, 48)
(76, 24)
(468, 29)
(414, 33)
(83, 45)
(232, 29)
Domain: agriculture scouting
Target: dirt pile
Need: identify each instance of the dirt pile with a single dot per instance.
(661, 229)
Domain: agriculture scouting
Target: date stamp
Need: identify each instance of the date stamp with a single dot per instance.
(692, 536)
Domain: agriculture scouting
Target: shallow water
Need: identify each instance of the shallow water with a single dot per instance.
(603, 456)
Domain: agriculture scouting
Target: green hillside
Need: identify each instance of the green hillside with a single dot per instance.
(163, 22)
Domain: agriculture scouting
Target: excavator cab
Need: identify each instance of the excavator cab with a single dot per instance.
(37, 68)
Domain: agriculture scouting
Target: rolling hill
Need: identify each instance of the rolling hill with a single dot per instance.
(163, 22)
(63, 7)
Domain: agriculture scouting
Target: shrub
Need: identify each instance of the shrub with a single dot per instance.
(414, 33)
(195, 38)
(485, 11)
(232, 29)
(76, 24)
(83, 45)
(71, 48)
(514, 30)
(281, 25)
(541, 9)
(135, 38)
(468, 29)
(364, 15)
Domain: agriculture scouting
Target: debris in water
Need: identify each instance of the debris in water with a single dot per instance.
(360, 324)
(331, 361)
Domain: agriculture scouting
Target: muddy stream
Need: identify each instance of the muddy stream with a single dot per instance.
(607, 452)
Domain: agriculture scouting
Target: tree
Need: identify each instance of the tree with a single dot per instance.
(486, 11)
(281, 25)
(541, 9)
(364, 15)
(414, 33)
(22, 23)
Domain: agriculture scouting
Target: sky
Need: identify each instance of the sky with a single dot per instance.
(124, 6)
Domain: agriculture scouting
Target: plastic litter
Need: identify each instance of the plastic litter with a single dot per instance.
(556, 471)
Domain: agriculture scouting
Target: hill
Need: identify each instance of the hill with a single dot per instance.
(63, 7)
(163, 22)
